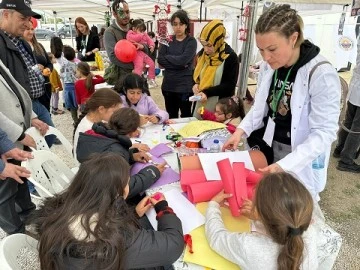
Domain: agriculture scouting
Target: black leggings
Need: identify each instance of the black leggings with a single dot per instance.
(177, 101)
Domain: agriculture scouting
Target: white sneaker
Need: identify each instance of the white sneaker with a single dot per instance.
(152, 83)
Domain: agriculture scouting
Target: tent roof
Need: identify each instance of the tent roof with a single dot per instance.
(93, 10)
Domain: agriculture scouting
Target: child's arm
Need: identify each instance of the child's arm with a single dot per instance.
(133, 37)
(153, 109)
(98, 79)
(78, 92)
(157, 248)
(230, 245)
(231, 128)
(149, 41)
(207, 115)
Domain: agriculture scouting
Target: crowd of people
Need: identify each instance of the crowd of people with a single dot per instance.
(98, 222)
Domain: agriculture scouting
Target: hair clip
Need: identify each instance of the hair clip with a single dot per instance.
(295, 231)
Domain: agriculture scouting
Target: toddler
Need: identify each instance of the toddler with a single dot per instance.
(137, 35)
(56, 87)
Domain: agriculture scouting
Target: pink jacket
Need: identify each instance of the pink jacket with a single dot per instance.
(142, 38)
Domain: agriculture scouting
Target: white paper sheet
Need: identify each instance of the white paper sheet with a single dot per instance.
(190, 217)
(208, 162)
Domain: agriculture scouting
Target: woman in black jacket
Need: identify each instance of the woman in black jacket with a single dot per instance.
(87, 42)
(217, 67)
(89, 225)
(115, 137)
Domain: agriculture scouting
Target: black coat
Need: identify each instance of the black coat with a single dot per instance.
(106, 140)
(12, 59)
(93, 43)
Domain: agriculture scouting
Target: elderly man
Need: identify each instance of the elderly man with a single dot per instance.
(115, 32)
(16, 116)
(17, 55)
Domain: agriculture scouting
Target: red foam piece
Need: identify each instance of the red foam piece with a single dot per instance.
(188, 177)
(204, 192)
(240, 182)
(227, 176)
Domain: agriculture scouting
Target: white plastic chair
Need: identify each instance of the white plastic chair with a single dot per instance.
(41, 142)
(49, 174)
(10, 248)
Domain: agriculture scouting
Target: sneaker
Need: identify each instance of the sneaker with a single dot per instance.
(152, 83)
(355, 168)
(54, 112)
(58, 111)
(336, 153)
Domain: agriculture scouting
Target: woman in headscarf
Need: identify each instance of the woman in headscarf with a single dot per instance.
(217, 67)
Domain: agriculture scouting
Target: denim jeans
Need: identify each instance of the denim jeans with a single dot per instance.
(44, 115)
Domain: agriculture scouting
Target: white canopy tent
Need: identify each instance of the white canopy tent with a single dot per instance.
(94, 10)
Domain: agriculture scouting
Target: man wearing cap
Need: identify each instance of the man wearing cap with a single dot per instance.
(17, 55)
(115, 32)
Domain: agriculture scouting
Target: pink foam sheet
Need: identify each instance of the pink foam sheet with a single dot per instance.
(227, 176)
(240, 182)
(204, 192)
(188, 177)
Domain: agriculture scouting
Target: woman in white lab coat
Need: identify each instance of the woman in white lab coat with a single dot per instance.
(297, 100)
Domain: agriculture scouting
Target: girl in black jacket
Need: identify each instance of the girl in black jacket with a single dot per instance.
(115, 137)
(89, 225)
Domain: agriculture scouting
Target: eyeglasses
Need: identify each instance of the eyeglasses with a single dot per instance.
(219, 113)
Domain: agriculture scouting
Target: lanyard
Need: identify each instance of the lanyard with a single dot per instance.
(278, 95)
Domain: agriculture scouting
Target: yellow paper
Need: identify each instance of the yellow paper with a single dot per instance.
(203, 254)
(195, 128)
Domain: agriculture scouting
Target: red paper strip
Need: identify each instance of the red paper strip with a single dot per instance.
(227, 176)
(204, 192)
(240, 182)
(188, 177)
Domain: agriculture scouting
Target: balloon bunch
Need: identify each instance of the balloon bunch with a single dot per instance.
(162, 10)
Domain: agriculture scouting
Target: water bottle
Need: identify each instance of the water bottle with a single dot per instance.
(38, 72)
(215, 147)
(318, 165)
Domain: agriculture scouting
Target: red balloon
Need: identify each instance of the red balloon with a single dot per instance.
(125, 51)
(34, 22)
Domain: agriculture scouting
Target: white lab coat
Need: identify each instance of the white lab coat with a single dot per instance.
(315, 112)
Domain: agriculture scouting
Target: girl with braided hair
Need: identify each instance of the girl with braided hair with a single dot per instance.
(290, 232)
(297, 100)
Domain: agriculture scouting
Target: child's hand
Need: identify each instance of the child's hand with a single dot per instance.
(141, 157)
(143, 206)
(141, 146)
(247, 209)
(220, 197)
(153, 119)
(161, 167)
(144, 119)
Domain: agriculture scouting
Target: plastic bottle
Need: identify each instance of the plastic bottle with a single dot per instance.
(319, 162)
(215, 147)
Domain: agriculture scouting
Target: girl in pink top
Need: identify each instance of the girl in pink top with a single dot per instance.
(137, 34)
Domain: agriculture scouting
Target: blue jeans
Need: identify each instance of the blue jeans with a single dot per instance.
(44, 115)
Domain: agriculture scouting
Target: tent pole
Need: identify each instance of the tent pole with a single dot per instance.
(247, 49)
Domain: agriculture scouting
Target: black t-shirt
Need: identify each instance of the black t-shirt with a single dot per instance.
(283, 113)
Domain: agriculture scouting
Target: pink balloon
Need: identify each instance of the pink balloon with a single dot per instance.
(125, 51)
(34, 22)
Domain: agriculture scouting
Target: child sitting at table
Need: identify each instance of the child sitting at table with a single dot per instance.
(134, 95)
(115, 137)
(229, 111)
(291, 232)
(84, 86)
(89, 225)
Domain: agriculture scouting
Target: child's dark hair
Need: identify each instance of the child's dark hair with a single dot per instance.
(97, 190)
(233, 105)
(125, 121)
(151, 34)
(105, 97)
(285, 208)
(56, 46)
(131, 81)
(138, 24)
(84, 69)
(183, 17)
(69, 52)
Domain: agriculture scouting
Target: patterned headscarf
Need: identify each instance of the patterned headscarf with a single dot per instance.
(214, 33)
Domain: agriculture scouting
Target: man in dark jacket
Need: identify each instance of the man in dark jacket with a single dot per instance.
(17, 56)
(101, 139)
(115, 32)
